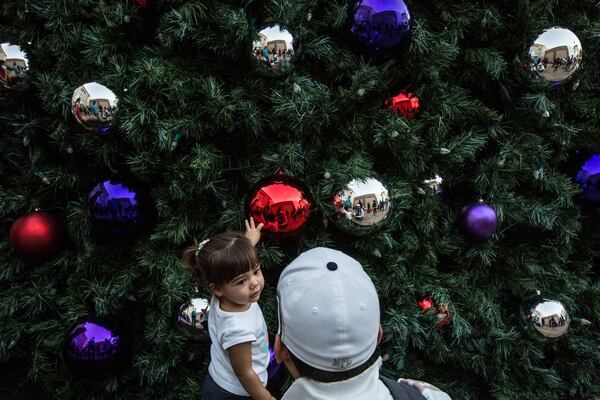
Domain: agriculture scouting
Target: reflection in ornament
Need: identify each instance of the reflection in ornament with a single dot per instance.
(282, 203)
(545, 319)
(97, 347)
(405, 104)
(555, 55)
(13, 65)
(378, 27)
(193, 317)
(362, 206)
(274, 47)
(116, 206)
(94, 106)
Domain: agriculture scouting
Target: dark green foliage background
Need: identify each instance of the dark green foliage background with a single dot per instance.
(184, 67)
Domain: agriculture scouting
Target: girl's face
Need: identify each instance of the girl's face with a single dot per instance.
(241, 291)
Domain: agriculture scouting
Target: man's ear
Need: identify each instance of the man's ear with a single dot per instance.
(379, 334)
(217, 290)
(281, 352)
(283, 356)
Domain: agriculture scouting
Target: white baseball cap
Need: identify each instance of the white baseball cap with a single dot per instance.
(328, 310)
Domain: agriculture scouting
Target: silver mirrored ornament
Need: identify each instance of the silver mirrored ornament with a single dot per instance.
(193, 317)
(432, 186)
(545, 319)
(555, 55)
(362, 206)
(274, 48)
(94, 106)
(14, 65)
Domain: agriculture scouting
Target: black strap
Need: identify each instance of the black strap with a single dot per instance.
(401, 391)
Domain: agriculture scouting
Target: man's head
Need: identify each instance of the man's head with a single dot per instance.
(328, 316)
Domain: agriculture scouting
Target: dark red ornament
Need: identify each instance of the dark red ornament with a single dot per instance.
(141, 3)
(282, 203)
(441, 313)
(37, 236)
(405, 103)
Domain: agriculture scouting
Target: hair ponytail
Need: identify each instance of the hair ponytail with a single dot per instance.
(191, 260)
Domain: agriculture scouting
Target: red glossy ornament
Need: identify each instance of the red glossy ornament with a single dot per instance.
(37, 236)
(282, 203)
(441, 313)
(405, 103)
(141, 3)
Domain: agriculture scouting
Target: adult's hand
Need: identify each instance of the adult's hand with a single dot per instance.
(428, 391)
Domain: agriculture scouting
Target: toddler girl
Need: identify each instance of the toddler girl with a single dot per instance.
(239, 353)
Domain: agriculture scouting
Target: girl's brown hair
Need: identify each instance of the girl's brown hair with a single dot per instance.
(222, 258)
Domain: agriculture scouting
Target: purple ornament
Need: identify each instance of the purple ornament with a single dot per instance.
(584, 169)
(97, 347)
(478, 220)
(377, 27)
(120, 207)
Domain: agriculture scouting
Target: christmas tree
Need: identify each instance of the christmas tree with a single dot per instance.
(185, 104)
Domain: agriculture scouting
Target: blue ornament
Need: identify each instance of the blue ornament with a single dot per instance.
(379, 27)
(97, 347)
(120, 207)
(584, 168)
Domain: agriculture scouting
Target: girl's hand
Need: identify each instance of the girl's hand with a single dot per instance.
(252, 231)
(240, 356)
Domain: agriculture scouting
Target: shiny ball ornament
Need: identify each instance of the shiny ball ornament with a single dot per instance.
(478, 220)
(362, 206)
(274, 48)
(405, 104)
(441, 314)
(193, 317)
(14, 66)
(584, 169)
(97, 347)
(94, 106)
(37, 236)
(545, 319)
(555, 56)
(120, 207)
(433, 186)
(378, 27)
(282, 203)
